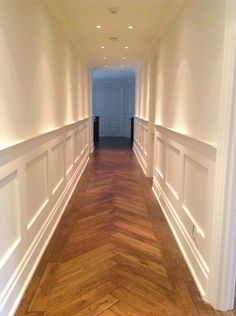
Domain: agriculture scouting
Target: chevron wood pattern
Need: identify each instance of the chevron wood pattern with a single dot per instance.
(113, 253)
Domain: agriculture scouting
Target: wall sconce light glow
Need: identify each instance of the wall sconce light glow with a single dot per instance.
(102, 47)
(126, 47)
(98, 26)
(104, 58)
(123, 57)
(130, 27)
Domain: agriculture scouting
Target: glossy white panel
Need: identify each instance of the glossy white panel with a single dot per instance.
(57, 166)
(195, 191)
(9, 216)
(36, 177)
(173, 169)
(69, 153)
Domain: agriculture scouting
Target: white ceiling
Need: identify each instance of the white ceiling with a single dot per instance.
(148, 17)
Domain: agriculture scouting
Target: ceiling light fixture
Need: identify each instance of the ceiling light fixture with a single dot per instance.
(102, 47)
(113, 10)
(98, 26)
(130, 27)
(126, 47)
(113, 38)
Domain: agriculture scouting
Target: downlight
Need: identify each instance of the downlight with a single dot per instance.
(113, 10)
(113, 38)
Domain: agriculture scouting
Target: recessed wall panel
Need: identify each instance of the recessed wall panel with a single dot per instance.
(57, 166)
(195, 190)
(9, 216)
(160, 159)
(69, 153)
(77, 143)
(36, 176)
(114, 126)
(173, 169)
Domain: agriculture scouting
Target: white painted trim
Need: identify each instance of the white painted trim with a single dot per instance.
(92, 148)
(186, 138)
(140, 159)
(175, 224)
(190, 231)
(141, 119)
(40, 243)
(22, 142)
(221, 289)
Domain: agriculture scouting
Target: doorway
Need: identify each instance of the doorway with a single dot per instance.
(113, 101)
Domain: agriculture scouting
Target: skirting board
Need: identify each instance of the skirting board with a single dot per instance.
(32, 258)
(177, 230)
(140, 159)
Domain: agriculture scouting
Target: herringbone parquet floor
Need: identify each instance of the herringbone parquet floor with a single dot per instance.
(113, 253)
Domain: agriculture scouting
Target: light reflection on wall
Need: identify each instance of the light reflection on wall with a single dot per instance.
(41, 87)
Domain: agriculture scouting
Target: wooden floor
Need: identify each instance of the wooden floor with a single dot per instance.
(113, 253)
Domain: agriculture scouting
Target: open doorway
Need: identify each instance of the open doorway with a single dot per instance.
(113, 104)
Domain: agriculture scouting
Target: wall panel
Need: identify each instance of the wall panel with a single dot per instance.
(184, 170)
(36, 186)
(34, 191)
(140, 145)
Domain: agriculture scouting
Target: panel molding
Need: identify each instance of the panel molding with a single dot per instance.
(140, 146)
(193, 238)
(187, 140)
(36, 233)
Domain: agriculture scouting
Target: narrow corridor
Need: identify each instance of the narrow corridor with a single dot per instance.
(113, 253)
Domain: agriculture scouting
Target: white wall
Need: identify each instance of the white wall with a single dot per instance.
(113, 101)
(44, 137)
(43, 79)
(188, 95)
(190, 68)
(145, 111)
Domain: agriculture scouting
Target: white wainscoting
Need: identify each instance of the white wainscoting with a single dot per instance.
(37, 178)
(183, 183)
(140, 145)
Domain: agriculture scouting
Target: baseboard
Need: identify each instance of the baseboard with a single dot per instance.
(190, 253)
(30, 261)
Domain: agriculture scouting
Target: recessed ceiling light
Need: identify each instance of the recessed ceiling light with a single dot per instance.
(102, 47)
(113, 38)
(113, 10)
(123, 57)
(98, 26)
(130, 27)
(126, 47)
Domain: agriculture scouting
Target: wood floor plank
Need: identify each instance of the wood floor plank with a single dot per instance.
(99, 306)
(113, 252)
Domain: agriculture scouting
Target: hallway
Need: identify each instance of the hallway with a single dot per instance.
(147, 231)
(113, 253)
